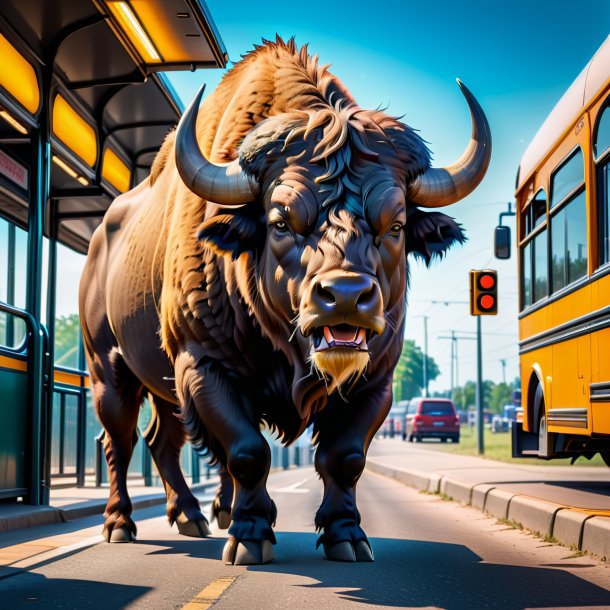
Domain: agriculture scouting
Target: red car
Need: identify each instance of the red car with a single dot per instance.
(431, 418)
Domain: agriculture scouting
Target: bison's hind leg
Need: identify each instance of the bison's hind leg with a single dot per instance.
(221, 506)
(117, 396)
(165, 437)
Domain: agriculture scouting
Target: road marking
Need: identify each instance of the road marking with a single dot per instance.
(210, 594)
(295, 488)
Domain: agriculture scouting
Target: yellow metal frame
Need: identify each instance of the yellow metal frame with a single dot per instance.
(79, 380)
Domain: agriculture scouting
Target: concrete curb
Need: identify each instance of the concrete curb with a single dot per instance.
(32, 516)
(576, 529)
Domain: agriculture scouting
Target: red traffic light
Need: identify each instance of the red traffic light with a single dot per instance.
(483, 292)
(487, 281)
(487, 302)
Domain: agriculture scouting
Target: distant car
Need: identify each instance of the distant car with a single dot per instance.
(500, 424)
(393, 425)
(431, 418)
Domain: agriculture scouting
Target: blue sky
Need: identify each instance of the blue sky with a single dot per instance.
(517, 58)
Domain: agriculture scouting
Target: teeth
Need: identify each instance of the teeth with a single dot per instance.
(328, 340)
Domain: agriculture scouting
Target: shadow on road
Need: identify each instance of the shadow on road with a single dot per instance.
(33, 590)
(422, 574)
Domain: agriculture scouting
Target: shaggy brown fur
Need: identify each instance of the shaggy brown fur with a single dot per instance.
(218, 312)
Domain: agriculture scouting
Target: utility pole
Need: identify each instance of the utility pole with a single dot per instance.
(452, 357)
(425, 363)
(455, 382)
(503, 363)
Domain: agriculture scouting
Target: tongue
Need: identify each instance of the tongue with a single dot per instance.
(345, 334)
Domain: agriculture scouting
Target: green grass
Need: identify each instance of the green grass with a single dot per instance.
(498, 447)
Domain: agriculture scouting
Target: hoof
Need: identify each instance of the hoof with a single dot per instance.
(363, 551)
(224, 519)
(247, 552)
(118, 534)
(342, 551)
(345, 551)
(194, 528)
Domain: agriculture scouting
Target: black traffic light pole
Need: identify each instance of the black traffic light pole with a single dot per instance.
(483, 301)
(479, 401)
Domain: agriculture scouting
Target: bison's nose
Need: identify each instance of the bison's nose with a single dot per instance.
(347, 294)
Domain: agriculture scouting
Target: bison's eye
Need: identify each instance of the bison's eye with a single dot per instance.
(281, 226)
(396, 228)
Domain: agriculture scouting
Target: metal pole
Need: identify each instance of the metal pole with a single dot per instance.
(425, 367)
(452, 357)
(480, 423)
(457, 378)
(10, 284)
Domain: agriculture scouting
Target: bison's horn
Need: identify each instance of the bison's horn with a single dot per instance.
(226, 184)
(443, 186)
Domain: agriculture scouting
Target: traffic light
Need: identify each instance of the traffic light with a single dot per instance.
(483, 292)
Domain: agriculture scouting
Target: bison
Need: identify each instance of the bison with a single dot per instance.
(258, 276)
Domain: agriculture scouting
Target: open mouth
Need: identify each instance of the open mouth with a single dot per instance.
(340, 335)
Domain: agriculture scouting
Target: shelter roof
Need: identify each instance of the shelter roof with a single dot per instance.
(107, 59)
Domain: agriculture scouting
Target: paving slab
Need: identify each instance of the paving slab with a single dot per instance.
(496, 503)
(456, 489)
(536, 515)
(479, 495)
(568, 527)
(596, 536)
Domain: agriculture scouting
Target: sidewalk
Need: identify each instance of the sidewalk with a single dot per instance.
(570, 505)
(77, 502)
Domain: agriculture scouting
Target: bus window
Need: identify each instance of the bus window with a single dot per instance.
(601, 149)
(540, 259)
(534, 253)
(568, 223)
(567, 178)
(526, 275)
(569, 242)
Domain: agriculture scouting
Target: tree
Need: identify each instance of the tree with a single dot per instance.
(501, 394)
(466, 396)
(67, 338)
(409, 373)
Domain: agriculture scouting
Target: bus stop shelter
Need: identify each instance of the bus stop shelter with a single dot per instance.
(84, 105)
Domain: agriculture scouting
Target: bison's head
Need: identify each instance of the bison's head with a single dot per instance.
(327, 200)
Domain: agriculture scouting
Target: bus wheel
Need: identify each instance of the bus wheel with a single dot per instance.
(606, 457)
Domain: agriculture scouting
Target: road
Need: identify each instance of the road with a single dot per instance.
(430, 553)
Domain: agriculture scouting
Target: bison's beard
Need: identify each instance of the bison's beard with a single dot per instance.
(340, 366)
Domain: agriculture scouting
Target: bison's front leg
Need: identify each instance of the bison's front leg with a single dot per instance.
(345, 432)
(230, 420)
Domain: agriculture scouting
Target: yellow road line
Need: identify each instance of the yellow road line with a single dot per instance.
(210, 595)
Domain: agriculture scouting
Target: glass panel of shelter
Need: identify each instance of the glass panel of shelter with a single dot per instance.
(13, 270)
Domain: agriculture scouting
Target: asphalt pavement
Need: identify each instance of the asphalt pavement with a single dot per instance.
(429, 553)
(566, 504)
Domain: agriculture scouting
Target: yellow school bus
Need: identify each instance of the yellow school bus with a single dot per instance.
(563, 236)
